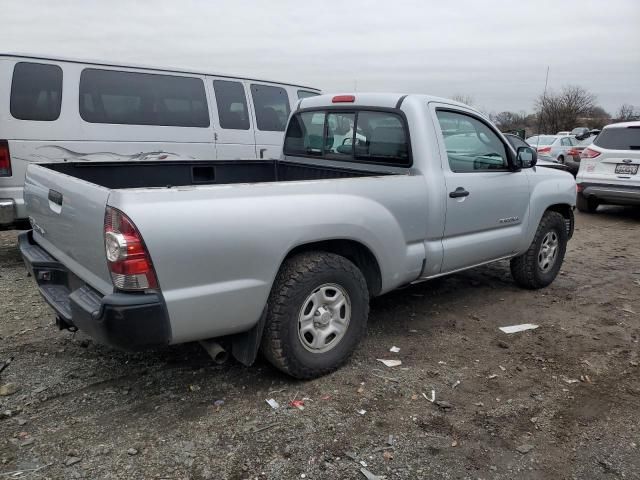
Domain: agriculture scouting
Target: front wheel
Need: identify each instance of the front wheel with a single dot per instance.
(317, 314)
(540, 264)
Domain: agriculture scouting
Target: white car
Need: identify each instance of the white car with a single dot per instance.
(609, 168)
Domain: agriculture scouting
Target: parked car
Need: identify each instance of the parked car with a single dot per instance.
(556, 146)
(111, 112)
(543, 160)
(580, 133)
(572, 161)
(609, 168)
(285, 254)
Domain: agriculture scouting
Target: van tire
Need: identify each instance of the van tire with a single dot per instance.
(587, 204)
(526, 269)
(298, 278)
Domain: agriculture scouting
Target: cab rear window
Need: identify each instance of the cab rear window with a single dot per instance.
(362, 135)
(627, 138)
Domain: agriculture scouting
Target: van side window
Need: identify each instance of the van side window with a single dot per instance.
(271, 105)
(362, 135)
(130, 98)
(36, 91)
(232, 104)
(471, 145)
(306, 94)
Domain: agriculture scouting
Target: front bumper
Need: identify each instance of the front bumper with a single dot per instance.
(611, 193)
(130, 321)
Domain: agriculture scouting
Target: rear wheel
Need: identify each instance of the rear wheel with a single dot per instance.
(561, 159)
(317, 314)
(587, 204)
(540, 264)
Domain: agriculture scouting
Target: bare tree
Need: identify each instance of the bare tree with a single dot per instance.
(627, 113)
(462, 98)
(561, 111)
(509, 121)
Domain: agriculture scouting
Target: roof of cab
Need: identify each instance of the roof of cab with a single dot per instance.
(104, 63)
(383, 100)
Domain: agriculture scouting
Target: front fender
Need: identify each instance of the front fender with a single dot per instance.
(548, 188)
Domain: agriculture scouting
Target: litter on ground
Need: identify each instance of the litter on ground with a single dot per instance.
(273, 404)
(433, 396)
(390, 363)
(394, 349)
(519, 328)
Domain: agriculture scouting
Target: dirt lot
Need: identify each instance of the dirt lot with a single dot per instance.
(562, 401)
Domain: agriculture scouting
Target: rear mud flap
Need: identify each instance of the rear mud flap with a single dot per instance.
(245, 346)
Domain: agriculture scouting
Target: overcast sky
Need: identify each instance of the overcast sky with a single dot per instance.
(495, 51)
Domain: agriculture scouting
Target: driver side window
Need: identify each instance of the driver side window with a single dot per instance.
(471, 145)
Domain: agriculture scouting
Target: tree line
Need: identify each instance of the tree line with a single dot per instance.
(572, 106)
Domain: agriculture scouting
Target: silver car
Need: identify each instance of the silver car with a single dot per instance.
(284, 255)
(559, 147)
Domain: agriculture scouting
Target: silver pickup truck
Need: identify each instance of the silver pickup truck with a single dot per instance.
(373, 192)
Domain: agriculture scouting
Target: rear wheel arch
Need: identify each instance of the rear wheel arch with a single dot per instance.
(356, 252)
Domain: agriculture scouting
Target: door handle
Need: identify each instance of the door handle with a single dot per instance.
(262, 150)
(458, 193)
(55, 197)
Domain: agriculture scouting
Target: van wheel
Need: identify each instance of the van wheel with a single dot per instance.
(587, 204)
(317, 314)
(540, 264)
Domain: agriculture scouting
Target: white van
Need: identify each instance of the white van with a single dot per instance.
(56, 110)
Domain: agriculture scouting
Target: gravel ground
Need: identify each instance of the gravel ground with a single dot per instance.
(562, 401)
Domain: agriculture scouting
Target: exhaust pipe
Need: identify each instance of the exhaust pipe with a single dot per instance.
(215, 351)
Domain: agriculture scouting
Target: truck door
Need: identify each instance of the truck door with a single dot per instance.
(487, 202)
(232, 121)
(271, 110)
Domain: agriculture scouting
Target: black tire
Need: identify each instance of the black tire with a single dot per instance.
(561, 159)
(587, 204)
(525, 269)
(298, 277)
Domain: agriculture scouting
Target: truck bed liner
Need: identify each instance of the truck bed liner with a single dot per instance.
(121, 175)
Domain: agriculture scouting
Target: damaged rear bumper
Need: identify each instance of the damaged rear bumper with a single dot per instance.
(130, 321)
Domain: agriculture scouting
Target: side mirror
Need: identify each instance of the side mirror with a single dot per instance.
(527, 157)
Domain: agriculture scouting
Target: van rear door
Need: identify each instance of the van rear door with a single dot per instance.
(67, 216)
(271, 108)
(232, 121)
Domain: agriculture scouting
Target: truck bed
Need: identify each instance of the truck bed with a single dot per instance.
(121, 175)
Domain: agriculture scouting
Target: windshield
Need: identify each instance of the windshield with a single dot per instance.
(541, 140)
(619, 138)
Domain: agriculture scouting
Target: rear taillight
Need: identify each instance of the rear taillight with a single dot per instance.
(544, 150)
(573, 152)
(579, 187)
(5, 159)
(589, 153)
(129, 261)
